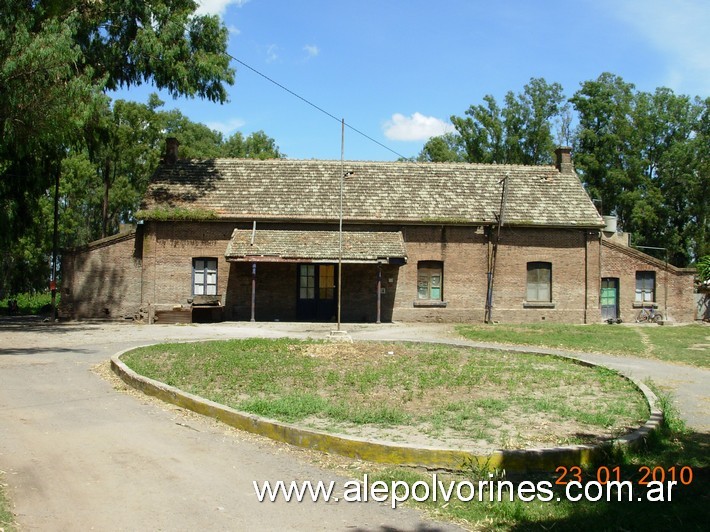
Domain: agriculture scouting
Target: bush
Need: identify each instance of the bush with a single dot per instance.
(28, 303)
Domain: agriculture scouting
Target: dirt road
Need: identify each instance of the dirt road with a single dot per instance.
(79, 455)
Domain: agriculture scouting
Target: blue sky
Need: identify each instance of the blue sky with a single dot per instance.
(397, 70)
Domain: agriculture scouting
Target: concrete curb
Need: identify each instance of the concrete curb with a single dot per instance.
(518, 461)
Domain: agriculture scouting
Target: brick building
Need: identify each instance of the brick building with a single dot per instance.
(247, 239)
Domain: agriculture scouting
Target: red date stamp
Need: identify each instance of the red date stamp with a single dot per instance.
(603, 475)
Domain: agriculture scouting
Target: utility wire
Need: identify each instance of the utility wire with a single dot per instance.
(339, 120)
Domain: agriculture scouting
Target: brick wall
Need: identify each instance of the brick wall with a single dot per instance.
(463, 252)
(102, 280)
(674, 294)
(573, 254)
(168, 251)
(163, 278)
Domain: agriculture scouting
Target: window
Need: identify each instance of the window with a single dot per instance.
(204, 277)
(430, 275)
(539, 285)
(326, 281)
(316, 281)
(645, 287)
(307, 282)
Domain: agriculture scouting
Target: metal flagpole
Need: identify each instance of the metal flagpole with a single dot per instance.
(340, 228)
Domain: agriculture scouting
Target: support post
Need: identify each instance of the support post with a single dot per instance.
(379, 293)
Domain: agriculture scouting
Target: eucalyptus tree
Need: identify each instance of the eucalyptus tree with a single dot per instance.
(520, 132)
(57, 58)
(442, 149)
(642, 155)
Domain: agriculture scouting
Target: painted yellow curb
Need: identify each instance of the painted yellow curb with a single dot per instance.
(522, 461)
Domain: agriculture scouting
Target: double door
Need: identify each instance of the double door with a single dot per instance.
(317, 295)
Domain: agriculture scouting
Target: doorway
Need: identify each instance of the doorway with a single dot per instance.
(610, 298)
(316, 292)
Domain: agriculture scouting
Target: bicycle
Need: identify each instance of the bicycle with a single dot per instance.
(649, 315)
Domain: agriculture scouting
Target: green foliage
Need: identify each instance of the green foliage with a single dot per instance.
(175, 214)
(444, 149)
(644, 155)
(670, 448)
(56, 60)
(7, 520)
(519, 133)
(704, 268)
(28, 304)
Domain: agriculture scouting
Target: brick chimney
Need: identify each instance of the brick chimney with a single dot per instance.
(564, 160)
(171, 150)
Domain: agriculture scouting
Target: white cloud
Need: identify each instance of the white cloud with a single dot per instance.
(271, 53)
(217, 7)
(416, 127)
(678, 29)
(312, 50)
(227, 127)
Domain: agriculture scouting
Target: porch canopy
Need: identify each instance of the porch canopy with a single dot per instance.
(359, 247)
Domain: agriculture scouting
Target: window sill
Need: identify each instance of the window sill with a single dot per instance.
(645, 304)
(205, 300)
(539, 304)
(430, 303)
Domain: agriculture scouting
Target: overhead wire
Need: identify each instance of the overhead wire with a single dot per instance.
(317, 107)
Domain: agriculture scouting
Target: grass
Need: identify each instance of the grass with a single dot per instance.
(672, 446)
(686, 344)
(29, 304)
(429, 389)
(266, 367)
(7, 520)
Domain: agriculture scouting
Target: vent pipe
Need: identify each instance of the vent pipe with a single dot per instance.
(610, 224)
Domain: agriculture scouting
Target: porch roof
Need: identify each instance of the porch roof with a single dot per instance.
(269, 245)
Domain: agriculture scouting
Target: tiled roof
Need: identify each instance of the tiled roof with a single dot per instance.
(358, 246)
(283, 189)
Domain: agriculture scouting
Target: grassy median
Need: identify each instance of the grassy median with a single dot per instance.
(447, 391)
(416, 393)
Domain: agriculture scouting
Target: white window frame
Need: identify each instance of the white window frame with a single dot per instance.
(204, 276)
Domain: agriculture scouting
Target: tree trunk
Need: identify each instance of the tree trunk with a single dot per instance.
(55, 242)
(107, 186)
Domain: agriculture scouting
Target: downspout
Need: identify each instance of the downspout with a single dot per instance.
(599, 282)
(493, 249)
(665, 291)
(586, 274)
